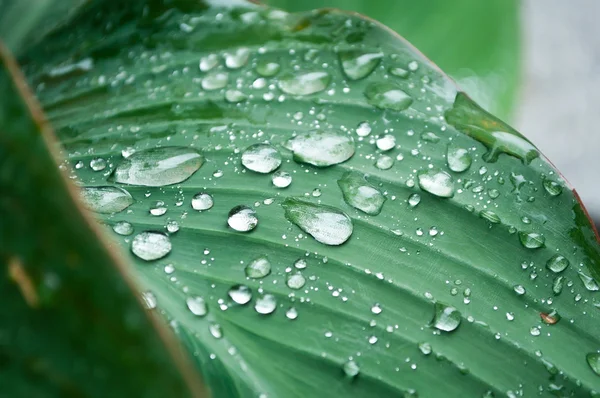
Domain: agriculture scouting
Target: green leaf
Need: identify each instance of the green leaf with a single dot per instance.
(476, 42)
(70, 325)
(444, 292)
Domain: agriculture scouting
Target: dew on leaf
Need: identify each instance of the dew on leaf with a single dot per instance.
(208, 62)
(291, 314)
(326, 224)
(552, 187)
(215, 330)
(237, 58)
(490, 216)
(363, 129)
(593, 359)
(281, 179)
(414, 199)
(265, 304)
(149, 300)
(358, 193)
(123, 228)
(532, 240)
(258, 268)
(387, 96)
(151, 245)
(300, 263)
(589, 282)
(158, 167)
(242, 218)
(358, 64)
(321, 148)
(398, 72)
(98, 164)
(305, 83)
(557, 263)
(351, 369)
(437, 182)
(197, 305)
(459, 159)
(261, 158)
(295, 281)
(386, 142)
(215, 81)
(425, 348)
(445, 318)
(172, 226)
(267, 69)
(550, 318)
(240, 294)
(202, 201)
(106, 199)
(235, 96)
(558, 284)
(158, 208)
(384, 162)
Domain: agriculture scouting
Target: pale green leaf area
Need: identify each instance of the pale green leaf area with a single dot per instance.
(333, 284)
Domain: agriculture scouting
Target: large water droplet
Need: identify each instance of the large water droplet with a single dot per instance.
(557, 263)
(387, 96)
(258, 268)
(197, 305)
(202, 201)
(242, 218)
(593, 359)
(281, 179)
(106, 199)
(445, 318)
(351, 369)
(326, 224)
(358, 193)
(159, 166)
(150, 245)
(459, 159)
(305, 83)
(437, 182)
(532, 240)
(358, 64)
(265, 304)
(497, 136)
(240, 294)
(261, 158)
(321, 148)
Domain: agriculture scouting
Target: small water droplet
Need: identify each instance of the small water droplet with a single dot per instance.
(398, 72)
(589, 282)
(150, 245)
(295, 281)
(158, 208)
(384, 162)
(535, 331)
(361, 195)
(261, 158)
(532, 240)
(158, 167)
(242, 218)
(425, 348)
(414, 199)
(305, 83)
(519, 289)
(386, 142)
(557, 285)
(235, 96)
(387, 96)
(215, 81)
(106, 199)
(437, 182)
(593, 359)
(237, 59)
(557, 263)
(300, 263)
(550, 318)
(208, 62)
(413, 66)
(197, 305)
(123, 228)
(266, 304)
(240, 294)
(445, 318)
(98, 164)
(321, 148)
(376, 309)
(149, 300)
(351, 369)
(363, 129)
(202, 201)
(258, 268)
(358, 64)
(172, 226)
(458, 159)
(267, 69)
(552, 187)
(281, 179)
(326, 224)
(215, 330)
(292, 313)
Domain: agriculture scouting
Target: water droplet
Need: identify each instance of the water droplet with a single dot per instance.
(459, 159)
(242, 218)
(351, 369)
(158, 208)
(552, 187)
(387, 96)
(240, 294)
(490, 216)
(172, 226)
(281, 179)
(305, 83)
(414, 199)
(386, 142)
(300, 263)
(425, 348)
(429, 136)
(98, 164)
(202, 201)
(358, 193)
(437, 182)
(237, 59)
(266, 304)
(149, 300)
(326, 224)
(321, 148)
(445, 318)
(215, 330)
(398, 72)
(413, 66)
(384, 162)
(363, 129)
(208, 62)
(106, 199)
(292, 313)
(157, 167)
(534, 331)
(123, 228)
(593, 359)
(150, 245)
(215, 81)
(376, 309)
(295, 281)
(373, 339)
(532, 240)
(519, 289)
(497, 136)
(197, 305)
(358, 64)
(557, 263)
(557, 285)
(261, 158)
(589, 282)
(267, 69)
(258, 268)
(235, 96)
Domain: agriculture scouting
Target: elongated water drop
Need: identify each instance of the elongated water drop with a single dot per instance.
(158, 167)
(106, 199)
(235, 96)
(557, 263)
(387, 96)
(326, 224)
(266, 304)
(358, 64)
(414, 199)
(593, 359)
(532, 240)
(242, 218)
(358, 193)
(321, 148)
(197, 305)
(261, 158)
(459, 159)
(151, 245)
(437, 182)
(305, 83)
(398, 72)
(445, 318)
(557, 285)
(149, 300)
(240, 294)
(490, 216)
(589, 282)
(202, 201)
(258, 268)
